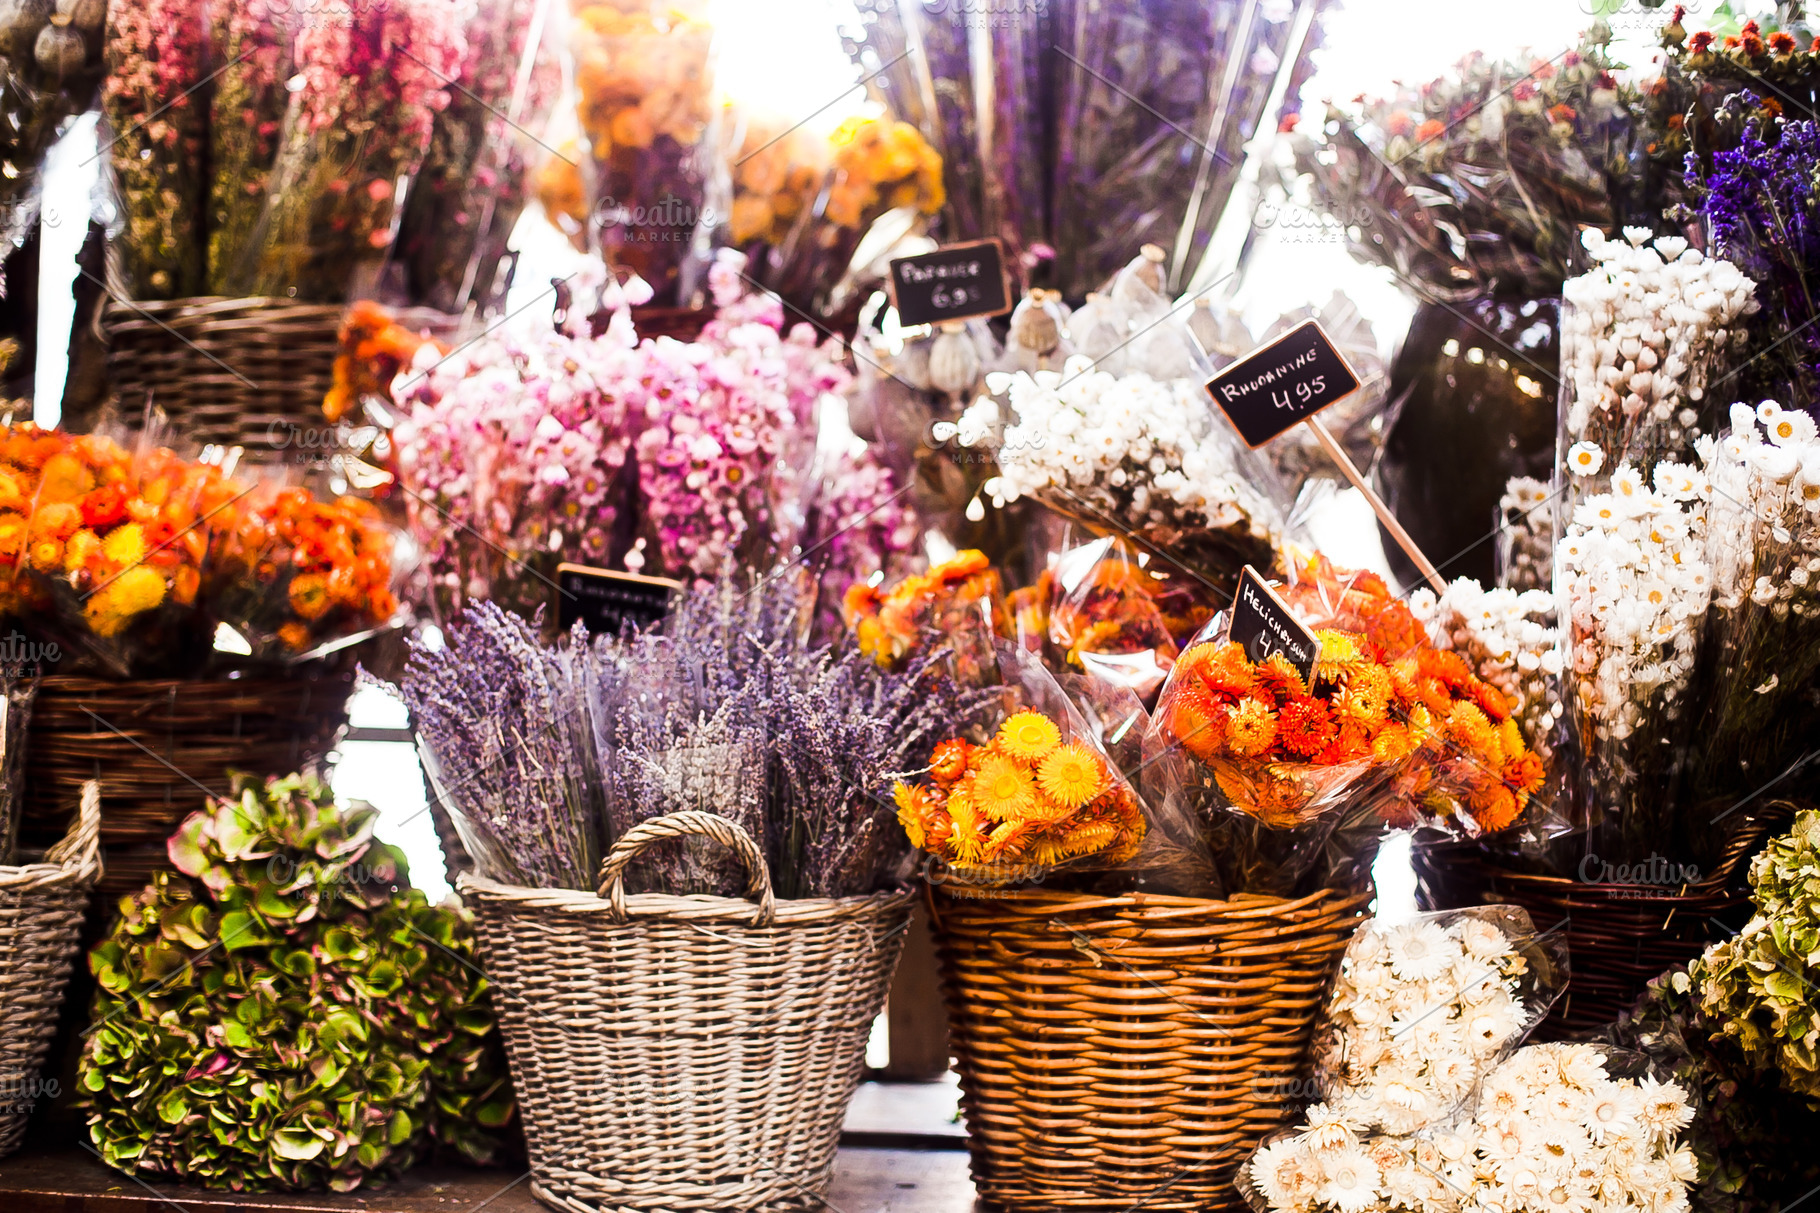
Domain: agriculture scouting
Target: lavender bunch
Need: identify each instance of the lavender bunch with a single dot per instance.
(842, 730)
(503, 738)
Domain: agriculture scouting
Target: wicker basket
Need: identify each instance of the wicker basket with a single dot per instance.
(1618, 936)
(235, 372)
(161, 746)
(41, 907)
(1131, 1052)
(684, 1054)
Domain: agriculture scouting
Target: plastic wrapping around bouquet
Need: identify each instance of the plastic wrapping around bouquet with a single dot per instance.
(234, 372)
(158, 745)
(1133, 1050)
(41, 908)
(684, 1054)
(1619, 935)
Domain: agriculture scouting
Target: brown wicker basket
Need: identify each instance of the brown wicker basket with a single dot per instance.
(235, 372)
(1131, 1052)
(161, 746)
(1618, 936)
(41, 908)
(684, 1054)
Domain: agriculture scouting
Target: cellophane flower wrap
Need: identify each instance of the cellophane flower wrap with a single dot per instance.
(157, 60)
(134, 558)
(645, 73)
(1423, 1009)
(1514, 642)
(317, 573)
(251, 47)
(355, 132)
(290, 983)
(1103, 610)
(1037, 798)
(1128, 455)
(106, 547)
(1645, 333)
(949, 607)
(875, 165)
(1476, 183)
(1763, 633)
(1635, 585)
(466, 199)
(1553, 1123)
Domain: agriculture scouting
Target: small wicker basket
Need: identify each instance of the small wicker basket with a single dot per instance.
(1619, 935)
(1131, 1052)
(41, 908)
(684, 1054)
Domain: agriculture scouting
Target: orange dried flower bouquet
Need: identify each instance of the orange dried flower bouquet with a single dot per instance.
(1026, 799)
(134, 557)
(951, 604)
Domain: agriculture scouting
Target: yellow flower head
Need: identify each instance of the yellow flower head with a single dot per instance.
(1029, 736)
(1089, 837)
(125, 545)
(1250, 729)
(1003, 788)
(910, 811)
(1071, 776)
(1339, 653)
(114, 604)
(1468, 726)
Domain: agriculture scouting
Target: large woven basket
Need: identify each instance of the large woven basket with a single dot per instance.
(684, 1054)
(160, 747)
(1619, 936)
(235, 372)
(1130, 1052)
(41, 907)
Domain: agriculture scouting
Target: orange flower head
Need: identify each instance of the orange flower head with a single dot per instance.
(1305, 727)
(1494, 807)
(949, 762)
(1525, 773)
(1281, 680)
(913, 810)
(1028, 736)
(1193, 718)
(1251, 729)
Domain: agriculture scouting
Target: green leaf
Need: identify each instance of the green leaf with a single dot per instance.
(241, 929)
(399, 1131)
(173, 1108)
(297, 1145)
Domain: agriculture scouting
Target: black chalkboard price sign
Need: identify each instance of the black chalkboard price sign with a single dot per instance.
(1289, 380)
(1264, 624)
(606, 600)
(955, 282)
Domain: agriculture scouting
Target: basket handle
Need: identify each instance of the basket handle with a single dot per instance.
(680, 825)
(81, 847)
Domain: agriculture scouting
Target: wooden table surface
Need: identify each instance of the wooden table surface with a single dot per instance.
(73, 1180)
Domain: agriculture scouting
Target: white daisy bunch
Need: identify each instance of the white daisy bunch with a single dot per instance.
(1512, 640)
(1553, 1132)
(1526, 541)
(1636, 586)
(1644, 331)
(1126, 451)
(1763, 544)
(1556, 1133)
(1419, 1013)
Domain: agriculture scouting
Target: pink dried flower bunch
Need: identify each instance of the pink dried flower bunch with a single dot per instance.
(675, 458)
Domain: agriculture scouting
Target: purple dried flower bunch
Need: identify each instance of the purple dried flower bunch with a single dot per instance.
(502, 730)
(1761, 211)
(726, 706)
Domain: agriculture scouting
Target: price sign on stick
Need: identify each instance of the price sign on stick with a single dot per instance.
(1264, 624)
(606, 600)
(956, 282)
(1289, 382)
